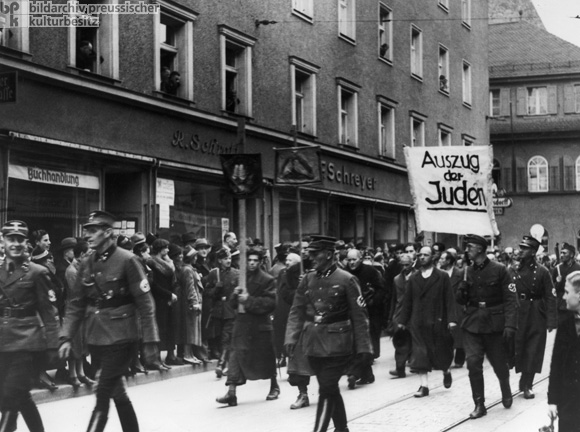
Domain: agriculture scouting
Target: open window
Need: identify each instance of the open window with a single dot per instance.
(304, 95)
(385, 33)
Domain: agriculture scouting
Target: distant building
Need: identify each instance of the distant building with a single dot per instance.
(535, 131)
(133, 115)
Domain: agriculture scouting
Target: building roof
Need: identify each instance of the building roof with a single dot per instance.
(522, 49)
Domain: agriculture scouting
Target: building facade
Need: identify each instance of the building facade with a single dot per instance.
(98, 121)
(535, 131)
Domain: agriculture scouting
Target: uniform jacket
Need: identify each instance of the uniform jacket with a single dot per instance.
(117, 274)
(220, 287)
(27, 289)
(252, 336)
(490, 284)
(564, 384)
(559, 278)
(334, 293)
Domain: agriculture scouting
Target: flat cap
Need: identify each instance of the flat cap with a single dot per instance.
(476, 239)
(67, 243)
(569, 247)
(100, 218)
(320, 242)
(15, 227)
(529, 242)
(201, 243)
(188, 237)
(138, 238)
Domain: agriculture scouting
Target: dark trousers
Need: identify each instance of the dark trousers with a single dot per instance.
(403, 350)
(16, 374)
(478, 345)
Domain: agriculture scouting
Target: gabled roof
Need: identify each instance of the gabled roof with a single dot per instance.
(522, 49)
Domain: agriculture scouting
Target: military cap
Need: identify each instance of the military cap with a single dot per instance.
(174, 250)
(320, 242)
(38, 254)
(100, 218)
(138, 238)
(201, 243)
(222, 253)
(68, 243)
(569, 247)
(529, 242)
(188, 237)
(475, 239)
(15, 227)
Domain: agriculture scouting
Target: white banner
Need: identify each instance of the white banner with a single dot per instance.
(452, 189)
(53, 177)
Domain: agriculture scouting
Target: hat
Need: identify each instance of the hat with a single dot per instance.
(340, 244)
(100, 218)
(138, 238)
(124, 242)
(188, 237)
(475, 239)
(199, 243)
(68, 243)
(566, 246)
(15, 227)
(38, 254)
(530, 242)
(320, 242)
(174, 250)
(222, 253)
(150, 238)
(189, 251)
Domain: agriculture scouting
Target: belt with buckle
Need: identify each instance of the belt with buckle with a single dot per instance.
(524, 296)
(8, 312)
(327, 319)
(482, 304)
(101, 303)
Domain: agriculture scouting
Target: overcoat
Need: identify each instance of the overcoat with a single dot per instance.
(287, 282)
(186, 319)
(252, 351)
(163, 284)
(537, 312)
(428, 309)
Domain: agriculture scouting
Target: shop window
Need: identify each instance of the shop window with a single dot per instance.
(386, 111)
(416, 52)
(174, 55)
(236, 71)
(538, 174)
(443, 69)
(303, 8)
(385, 33)
(347, 19)
(444, 133)
(466, 13)
(348, 114)
(417, 130)
(310, 214)
(96, 49)
(304, 91)
(467, 83)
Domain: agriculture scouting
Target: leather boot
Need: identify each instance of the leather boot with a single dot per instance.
(8, 421)
(324, 413)
(480, 409)
(478, 392)
(527, 382)
(506, 392)
(127, 417)
(98, 422)
(31, 416)
(301, 402)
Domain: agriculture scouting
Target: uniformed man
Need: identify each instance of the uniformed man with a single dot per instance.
(490, 320)
(109, 289)
(567, 265)
(537, 312)
(24, 288)
(328, 308)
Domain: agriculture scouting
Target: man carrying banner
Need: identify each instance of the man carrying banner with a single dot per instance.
(490, 320)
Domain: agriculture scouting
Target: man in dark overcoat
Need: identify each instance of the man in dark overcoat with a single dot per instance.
(566, 266)
(24, 288)
(429, 312)
(252, 354)
(490, 321)
(564, 384)
(537, 313)
(110, 293)
(329, 318)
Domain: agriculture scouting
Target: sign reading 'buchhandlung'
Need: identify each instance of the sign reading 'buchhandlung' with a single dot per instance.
(452, 189)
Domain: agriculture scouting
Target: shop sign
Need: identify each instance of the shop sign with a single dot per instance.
(338, 174)
(193, 142)
(53, 177)
(498, 211)
(503, 202)
(8, 86)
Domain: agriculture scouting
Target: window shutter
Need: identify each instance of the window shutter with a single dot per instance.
(554, 178)
(569, 178)
(504, 102)
(552, 100)
(521, 105)
(569, 102)
(522, 179)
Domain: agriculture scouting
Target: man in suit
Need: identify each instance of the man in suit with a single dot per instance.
(564, 384)
(567, 265)
(24, 288)
(110, 287)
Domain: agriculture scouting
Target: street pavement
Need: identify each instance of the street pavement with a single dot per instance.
(187, 403)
